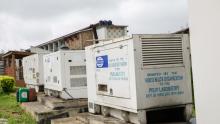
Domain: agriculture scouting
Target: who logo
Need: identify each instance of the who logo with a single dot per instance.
(102, 61)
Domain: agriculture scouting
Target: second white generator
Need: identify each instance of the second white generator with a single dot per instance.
(65, 74)
(141, 79)
(33, 71)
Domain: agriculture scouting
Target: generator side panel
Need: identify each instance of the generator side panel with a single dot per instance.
(41, 68)
(74, 73)
(52, 71)
(25, 69)
(164, 77)
(112, 70)
(90, 72)
(31, 70)
(36, 69)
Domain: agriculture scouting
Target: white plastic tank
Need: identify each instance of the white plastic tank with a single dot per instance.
(129, 76)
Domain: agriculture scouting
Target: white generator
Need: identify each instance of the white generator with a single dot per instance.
(33, 71)
(141, 78)
(65, 74)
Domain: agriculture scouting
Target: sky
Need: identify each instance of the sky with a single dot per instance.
(25, 23)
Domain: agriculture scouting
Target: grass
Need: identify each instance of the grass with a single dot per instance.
(11, 110)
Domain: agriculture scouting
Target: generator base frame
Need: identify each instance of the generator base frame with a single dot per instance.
(142, 116)
(65, 94)
(38, 88)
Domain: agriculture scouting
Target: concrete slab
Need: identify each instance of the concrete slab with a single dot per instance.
(86, 118)
(58, 103)
(69, 120)
(44, 114)
(37, 109)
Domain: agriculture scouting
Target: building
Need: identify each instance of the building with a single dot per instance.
(1, 65)
(13, 65)
(104, 30)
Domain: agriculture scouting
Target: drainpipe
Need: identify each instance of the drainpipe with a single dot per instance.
(95, 33)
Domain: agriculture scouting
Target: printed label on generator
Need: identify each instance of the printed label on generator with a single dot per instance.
(166, 83)
(112, 71)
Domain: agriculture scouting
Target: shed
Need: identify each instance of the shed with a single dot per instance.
(13, 65)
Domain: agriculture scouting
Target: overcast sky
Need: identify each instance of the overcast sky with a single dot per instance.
(25, 23)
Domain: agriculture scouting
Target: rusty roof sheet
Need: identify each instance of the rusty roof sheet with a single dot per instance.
(18, 54)
(88, 28)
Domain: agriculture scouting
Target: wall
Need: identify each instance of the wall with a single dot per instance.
(11, 71)
(111, 32)
(204, 28)
(80, 40)
(38, 50)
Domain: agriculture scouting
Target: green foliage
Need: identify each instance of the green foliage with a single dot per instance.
(11, 110)
(7, 83)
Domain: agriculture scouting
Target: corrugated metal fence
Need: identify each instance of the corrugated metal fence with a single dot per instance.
(1, 67)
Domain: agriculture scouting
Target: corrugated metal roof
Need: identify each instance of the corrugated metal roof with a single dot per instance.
(182, 31)
(63, 37)
(18, 54)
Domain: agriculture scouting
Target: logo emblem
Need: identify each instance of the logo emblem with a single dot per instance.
(102, 61)
(99, 62)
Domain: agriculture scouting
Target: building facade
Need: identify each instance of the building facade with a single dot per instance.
(78, 40)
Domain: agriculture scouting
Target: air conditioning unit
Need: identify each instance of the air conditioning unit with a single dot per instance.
(130, 76)
(65, 74)
(33, 72)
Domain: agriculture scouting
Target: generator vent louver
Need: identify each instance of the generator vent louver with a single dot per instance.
(162, 51)
(78, 82)
(77, 70)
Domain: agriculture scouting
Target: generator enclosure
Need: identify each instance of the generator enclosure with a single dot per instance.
(139, 72)
(33, 70)
(65, 74)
